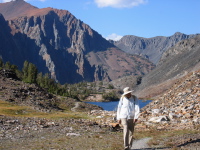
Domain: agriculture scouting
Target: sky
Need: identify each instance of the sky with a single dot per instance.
(144, 18)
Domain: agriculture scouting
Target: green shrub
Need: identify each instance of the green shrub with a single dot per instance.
(111, 96)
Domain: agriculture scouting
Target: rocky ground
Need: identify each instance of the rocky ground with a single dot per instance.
(178, 108)
(40, 133)
(37, 133)
(17, 92)
(172, 120)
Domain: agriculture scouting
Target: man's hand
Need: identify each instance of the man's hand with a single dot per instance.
(135, 120)
(119, 121)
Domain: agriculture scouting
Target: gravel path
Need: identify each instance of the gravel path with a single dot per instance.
(140, 144)
(75, 107)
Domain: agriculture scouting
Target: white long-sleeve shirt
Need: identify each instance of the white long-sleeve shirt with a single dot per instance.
(128, 108)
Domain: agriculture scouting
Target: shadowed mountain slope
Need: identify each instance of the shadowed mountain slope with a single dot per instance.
(59, 44)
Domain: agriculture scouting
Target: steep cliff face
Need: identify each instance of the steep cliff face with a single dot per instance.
(57, 40)
(8, 47)
(151, 48)
(58, 43)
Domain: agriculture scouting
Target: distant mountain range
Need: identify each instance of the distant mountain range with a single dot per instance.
(59, 44)
(151, 48)
(176, 62)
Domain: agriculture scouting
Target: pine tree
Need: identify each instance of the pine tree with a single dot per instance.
(25, 70)
(46, 80)
(32, 73)
(40, 80)
(29, 72)
(1, 63)
(7, 65)
(14, 68)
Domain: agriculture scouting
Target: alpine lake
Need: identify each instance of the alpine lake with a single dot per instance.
(112, 106)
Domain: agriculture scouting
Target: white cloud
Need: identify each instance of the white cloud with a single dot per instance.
(114, 37)
(119, 3)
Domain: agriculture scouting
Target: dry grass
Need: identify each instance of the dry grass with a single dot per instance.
(60, 142)
(164, 138)
(13, 110)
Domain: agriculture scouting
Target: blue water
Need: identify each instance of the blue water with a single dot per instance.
(112, 106)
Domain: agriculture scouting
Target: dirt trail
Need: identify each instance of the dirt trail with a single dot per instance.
(75, 107)
(141, 144)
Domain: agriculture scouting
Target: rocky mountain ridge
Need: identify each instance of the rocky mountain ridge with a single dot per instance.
(63, 46)
(176, 62)
(151, 48)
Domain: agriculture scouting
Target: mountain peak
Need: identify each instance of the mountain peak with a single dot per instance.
(15, 8)
(19, 8)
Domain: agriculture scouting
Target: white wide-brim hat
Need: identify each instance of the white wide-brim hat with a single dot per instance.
(127, 90)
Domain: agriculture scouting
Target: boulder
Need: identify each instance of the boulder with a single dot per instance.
(159, 119)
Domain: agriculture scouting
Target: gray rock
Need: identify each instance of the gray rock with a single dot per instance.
(159, 119)
(73, 134)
